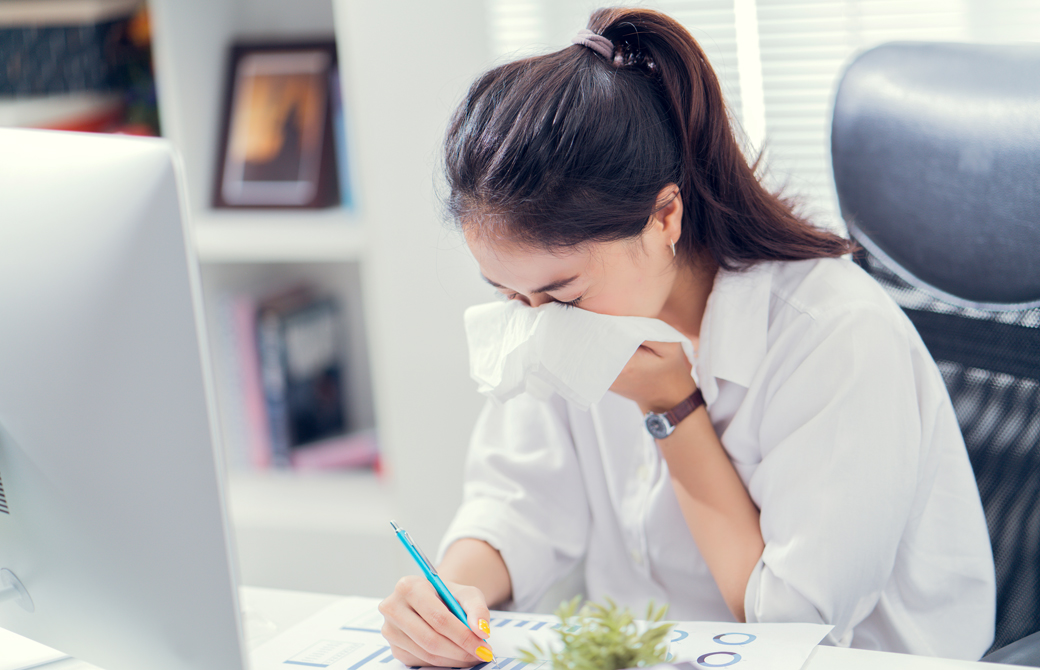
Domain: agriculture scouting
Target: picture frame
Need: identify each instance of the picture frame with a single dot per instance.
(277, 143)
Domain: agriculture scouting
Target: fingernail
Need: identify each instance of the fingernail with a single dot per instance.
(484, 654)
(484, 626)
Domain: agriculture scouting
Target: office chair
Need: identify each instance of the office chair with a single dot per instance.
(936, 157)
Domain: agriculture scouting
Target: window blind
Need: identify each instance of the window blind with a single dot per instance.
(514, 27)
(518, 28)
(803, 48)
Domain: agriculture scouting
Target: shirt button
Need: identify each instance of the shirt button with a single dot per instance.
(643, 473)
(637, 557)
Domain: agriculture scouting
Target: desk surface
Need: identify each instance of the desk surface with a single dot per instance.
(267, 612)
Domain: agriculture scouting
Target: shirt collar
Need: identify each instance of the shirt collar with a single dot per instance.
(734, 331)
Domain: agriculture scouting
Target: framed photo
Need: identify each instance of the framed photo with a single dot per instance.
(277, 146)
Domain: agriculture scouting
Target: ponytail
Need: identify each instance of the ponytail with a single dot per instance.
(573, 147)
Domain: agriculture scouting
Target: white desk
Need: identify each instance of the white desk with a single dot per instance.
(269, 611)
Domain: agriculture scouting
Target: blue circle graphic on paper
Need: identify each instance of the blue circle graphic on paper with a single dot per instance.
(749, 638)
(733, 657)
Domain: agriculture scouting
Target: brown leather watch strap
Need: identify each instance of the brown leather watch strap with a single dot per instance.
(685, 408)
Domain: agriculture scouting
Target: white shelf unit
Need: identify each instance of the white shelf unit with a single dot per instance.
(278, 237)
(331, 523)
(404, 278)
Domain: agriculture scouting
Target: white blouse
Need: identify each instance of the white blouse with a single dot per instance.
(839, 424)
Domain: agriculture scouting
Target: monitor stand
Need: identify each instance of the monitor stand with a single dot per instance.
(11, 589)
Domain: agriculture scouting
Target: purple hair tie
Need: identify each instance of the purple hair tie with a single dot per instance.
(597, 43)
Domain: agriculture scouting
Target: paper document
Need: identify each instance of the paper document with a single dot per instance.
(18, 653)
(346, 636)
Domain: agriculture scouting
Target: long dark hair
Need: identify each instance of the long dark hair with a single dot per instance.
(571, 147)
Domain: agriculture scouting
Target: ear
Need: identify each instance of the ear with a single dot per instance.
(668, 217)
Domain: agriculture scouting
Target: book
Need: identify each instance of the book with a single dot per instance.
(80, 66)
(301, 374)
(255, 427)
(15, 13)
(340, 132)
(354, 450)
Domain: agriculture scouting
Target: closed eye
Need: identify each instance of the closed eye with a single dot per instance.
(512, 295)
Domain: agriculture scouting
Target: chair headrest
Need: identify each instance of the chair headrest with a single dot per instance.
(936, 156)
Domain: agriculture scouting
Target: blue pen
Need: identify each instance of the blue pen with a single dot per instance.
(431, 575)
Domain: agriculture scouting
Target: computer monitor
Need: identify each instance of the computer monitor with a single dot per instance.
(113, 538)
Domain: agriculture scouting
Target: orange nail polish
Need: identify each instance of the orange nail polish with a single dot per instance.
(484, 654)
(484, 626)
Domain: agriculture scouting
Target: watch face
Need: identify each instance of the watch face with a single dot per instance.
(658, 426)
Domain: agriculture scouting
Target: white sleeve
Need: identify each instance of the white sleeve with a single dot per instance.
(524, 495)
(841, 447)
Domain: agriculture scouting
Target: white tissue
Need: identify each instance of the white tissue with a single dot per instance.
(576, 353)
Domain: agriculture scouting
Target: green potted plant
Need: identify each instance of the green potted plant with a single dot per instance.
(604, 637)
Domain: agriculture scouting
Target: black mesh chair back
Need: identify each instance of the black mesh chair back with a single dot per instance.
(936, 157)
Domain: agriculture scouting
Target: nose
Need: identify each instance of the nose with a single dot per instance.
(539, 299)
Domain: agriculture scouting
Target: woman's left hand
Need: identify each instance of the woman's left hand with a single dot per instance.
(657, 377)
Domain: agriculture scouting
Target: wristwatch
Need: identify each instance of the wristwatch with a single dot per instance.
(662, 425)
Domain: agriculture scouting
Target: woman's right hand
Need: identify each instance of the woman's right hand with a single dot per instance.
(421, 630)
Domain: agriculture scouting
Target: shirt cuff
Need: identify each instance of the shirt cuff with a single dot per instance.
(768, 599)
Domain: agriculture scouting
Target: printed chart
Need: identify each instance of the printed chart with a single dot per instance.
(346, 636)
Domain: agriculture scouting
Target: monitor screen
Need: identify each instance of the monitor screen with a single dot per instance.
(113, 540)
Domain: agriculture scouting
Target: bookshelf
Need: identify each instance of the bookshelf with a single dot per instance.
(274, 237)
(404, 278)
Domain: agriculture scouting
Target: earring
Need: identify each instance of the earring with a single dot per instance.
(673, 248)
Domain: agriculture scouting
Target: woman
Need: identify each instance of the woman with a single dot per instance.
(811, 469)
